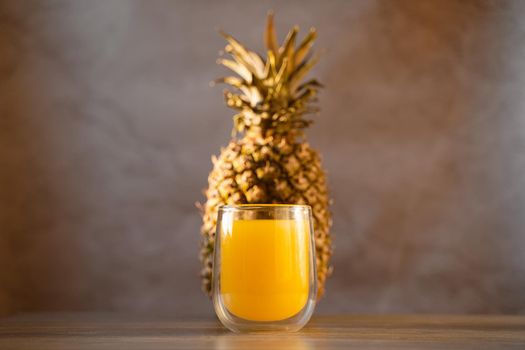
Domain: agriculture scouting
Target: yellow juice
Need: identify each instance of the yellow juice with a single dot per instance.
(265, 268)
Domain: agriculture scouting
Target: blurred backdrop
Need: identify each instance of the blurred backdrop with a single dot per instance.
(107, 125)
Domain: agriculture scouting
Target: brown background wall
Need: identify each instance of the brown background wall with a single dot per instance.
(107, 125)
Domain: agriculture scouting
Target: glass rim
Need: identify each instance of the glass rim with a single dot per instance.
(239, 207)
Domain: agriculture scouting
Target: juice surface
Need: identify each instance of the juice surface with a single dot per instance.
(265, 268)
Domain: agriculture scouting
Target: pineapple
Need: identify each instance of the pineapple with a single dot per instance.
(267, 160)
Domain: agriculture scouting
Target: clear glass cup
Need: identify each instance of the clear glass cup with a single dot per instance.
(264, 276)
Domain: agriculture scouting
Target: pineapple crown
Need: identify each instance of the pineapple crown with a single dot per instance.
(269, 93)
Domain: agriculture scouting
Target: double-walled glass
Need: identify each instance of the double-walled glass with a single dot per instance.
(264, 276)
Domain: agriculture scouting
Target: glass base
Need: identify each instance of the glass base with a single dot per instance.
(241, 325)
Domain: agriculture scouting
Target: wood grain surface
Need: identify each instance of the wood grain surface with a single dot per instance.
(109, 331)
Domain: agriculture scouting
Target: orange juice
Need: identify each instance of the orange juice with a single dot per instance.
(265, 268)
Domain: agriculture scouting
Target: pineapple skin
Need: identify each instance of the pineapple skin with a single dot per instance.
(257, 169)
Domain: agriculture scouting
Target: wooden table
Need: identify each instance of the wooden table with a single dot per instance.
(108, 331)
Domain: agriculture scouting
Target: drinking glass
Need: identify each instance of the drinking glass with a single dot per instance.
(264, 276)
